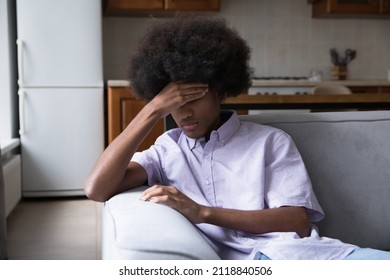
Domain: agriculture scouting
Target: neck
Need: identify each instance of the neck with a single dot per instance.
(222, 118)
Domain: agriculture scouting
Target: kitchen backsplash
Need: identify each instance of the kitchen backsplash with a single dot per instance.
(285, 39)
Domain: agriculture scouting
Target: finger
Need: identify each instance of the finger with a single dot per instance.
(194, 90)
(156, 190)
(191, 85)
(162, 199)
(185, 98)
(148, 193)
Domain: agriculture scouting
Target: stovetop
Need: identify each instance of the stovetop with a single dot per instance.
(280, 78)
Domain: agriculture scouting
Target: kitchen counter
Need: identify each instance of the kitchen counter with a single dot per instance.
(287, 83)
(323, 102)
(307, 83)
(118, 83)
(8, 144)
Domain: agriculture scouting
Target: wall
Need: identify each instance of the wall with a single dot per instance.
(285, 40)
(8, 91)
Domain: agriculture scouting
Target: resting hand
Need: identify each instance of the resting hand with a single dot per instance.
(172, 197)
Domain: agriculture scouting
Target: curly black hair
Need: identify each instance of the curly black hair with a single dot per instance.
(190, 49)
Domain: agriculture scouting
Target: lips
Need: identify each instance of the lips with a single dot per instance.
(189, 125)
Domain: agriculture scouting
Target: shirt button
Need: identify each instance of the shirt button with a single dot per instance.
(208, 181)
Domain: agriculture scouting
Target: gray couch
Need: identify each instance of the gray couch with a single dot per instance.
(347, 155)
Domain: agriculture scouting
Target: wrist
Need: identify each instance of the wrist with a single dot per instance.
(204, 214)
(156, 108)
(150, 113)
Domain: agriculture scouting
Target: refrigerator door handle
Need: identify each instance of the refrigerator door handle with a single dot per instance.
(21, 94)
(20, 45)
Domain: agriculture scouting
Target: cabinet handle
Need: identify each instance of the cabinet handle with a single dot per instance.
(21, 94)
(20, 46)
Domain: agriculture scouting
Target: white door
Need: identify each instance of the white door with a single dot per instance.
(59, 43)
(62, 136)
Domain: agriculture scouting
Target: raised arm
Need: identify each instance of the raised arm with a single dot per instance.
(113, 172)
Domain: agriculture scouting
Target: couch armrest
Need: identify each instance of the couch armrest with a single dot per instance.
(133, 229)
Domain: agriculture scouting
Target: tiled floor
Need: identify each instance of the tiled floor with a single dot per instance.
(55, 229)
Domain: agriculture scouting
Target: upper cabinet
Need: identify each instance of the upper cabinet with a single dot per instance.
(156, 7)
(191, 5)
(385, 7)
(350, 8)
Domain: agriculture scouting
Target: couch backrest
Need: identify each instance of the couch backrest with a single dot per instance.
(347, 155)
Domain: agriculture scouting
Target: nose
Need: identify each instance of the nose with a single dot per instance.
(185, 111)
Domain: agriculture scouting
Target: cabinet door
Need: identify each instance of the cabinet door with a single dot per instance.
(192, 5)
(345, 8)
(122, 108)
(384, 89)
(130, 109)
(355, 6)
(385, 6)
(364, 89)
(123, 7)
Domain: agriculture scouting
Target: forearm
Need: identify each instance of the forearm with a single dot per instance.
(283, 219)
(106, 179)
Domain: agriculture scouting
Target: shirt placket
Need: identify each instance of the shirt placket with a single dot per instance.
(207, 172)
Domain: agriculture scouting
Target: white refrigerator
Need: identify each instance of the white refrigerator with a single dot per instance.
(60, 77)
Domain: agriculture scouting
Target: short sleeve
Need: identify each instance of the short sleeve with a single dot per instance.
(287, 182)
(152, 159)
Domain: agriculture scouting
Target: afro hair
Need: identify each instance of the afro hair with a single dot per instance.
(190, 49)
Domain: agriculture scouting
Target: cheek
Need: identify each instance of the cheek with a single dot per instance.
(213, 109)
(175, 118)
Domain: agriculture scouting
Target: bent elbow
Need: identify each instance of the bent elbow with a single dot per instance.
(91, 193)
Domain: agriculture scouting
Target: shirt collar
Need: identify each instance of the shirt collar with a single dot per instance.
(223, 133)
(192, 142)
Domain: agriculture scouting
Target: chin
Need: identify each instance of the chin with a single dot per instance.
(193, 134)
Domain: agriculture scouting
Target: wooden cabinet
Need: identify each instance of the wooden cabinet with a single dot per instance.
(350, 8)
(112, 6)
(385, 7)
(123, 106)
(384, 90)
(370, 89)
(192, 5)
(156, 7)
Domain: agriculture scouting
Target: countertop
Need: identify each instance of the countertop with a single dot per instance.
(8, 145)
(287, 83)
(307, 83)
(118, 83)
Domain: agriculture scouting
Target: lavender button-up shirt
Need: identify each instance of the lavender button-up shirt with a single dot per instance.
(244, 166)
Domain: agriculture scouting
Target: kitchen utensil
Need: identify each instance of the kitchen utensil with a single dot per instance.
(342, 61)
